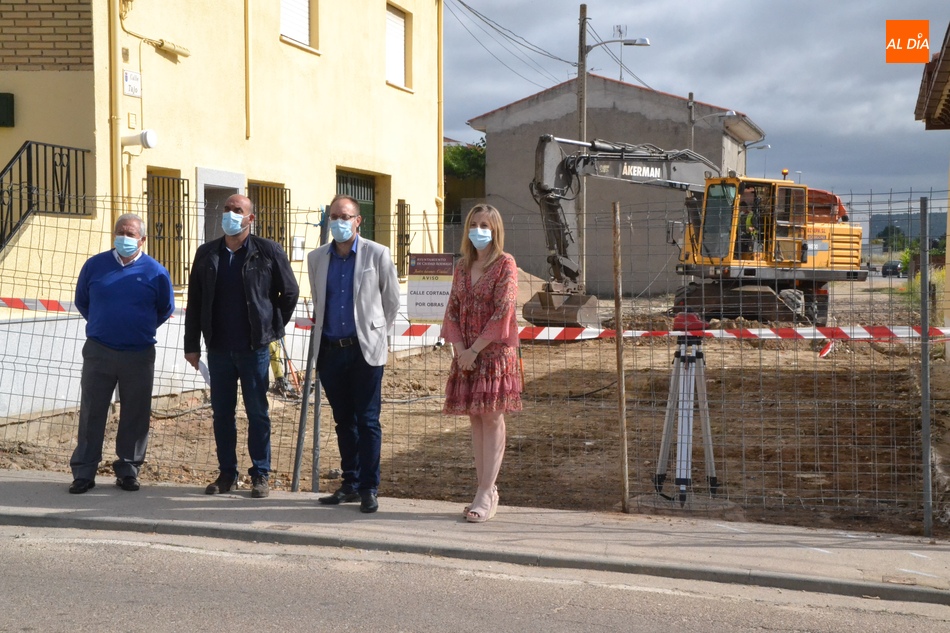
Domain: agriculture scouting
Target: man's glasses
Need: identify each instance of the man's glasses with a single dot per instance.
(345, 218)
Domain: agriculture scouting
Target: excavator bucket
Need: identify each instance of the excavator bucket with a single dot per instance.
(557, 309)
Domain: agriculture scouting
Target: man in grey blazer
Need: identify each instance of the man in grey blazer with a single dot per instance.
(355, 292)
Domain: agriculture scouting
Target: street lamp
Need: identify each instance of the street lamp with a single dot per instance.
(746, 148)
(581, 201)
(714, 115)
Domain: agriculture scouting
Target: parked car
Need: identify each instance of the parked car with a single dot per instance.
(892, 269)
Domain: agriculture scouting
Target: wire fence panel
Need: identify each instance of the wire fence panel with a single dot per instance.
(812, 425)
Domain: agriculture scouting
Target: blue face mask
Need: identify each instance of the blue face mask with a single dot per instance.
(125, 246)
(341, 230)
(232, 222)
(480, 237)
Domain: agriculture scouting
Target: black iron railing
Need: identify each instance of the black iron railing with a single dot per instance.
(169, 218)
(272, 211)
(41, 178)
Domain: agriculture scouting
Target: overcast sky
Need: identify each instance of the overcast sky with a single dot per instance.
(829, 104)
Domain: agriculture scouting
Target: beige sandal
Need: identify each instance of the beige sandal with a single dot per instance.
(477, 516)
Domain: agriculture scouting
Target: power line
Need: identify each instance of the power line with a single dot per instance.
(462, 24)
(614, 56)
(514, 37)
(509, 37)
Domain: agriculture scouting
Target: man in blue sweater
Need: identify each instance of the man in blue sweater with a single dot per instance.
(124, 295)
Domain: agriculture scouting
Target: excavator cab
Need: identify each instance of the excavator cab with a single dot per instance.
(766, 250)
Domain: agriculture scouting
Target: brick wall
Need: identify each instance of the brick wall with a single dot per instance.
(46, 35)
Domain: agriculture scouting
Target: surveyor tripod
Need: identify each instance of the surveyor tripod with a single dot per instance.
(687, 392)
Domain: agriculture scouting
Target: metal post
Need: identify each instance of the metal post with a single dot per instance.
(621, 379)
(304, 404)
(315, 448)
(581, 199)
(925, 366)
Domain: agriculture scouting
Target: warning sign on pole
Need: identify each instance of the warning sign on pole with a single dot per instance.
(430, 281)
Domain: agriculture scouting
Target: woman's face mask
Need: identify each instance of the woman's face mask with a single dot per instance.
(480, 238)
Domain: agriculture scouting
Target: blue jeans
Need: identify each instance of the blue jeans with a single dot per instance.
(354, 391)
(225, 369)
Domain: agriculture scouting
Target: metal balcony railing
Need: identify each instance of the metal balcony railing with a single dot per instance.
(41, 178)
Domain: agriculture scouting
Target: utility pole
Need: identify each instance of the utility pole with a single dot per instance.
(581, 201)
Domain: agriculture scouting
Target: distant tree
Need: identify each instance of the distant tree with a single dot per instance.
(938, 247)
(893, 238)
(466, 162)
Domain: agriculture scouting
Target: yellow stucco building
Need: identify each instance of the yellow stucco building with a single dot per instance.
(166, 107)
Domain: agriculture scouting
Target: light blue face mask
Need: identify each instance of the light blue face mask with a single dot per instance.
(480, 237)
(341, 230)
(125, 246)
(231, 222)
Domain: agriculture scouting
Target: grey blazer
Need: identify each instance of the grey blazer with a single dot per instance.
(375, 295)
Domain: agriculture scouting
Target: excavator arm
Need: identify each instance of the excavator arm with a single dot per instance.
(554, 188)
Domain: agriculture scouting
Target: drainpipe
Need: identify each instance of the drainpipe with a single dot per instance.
(440, 199)
(115, 81)
(247, 69)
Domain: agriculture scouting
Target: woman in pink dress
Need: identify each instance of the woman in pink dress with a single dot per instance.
(484, 381)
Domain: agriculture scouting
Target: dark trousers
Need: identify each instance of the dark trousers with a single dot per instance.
(225, 370)
(102, 369)
(354, 391)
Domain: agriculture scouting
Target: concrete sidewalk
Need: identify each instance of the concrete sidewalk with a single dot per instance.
(847, 563)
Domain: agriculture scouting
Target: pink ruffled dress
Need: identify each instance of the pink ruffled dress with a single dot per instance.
(484, 310)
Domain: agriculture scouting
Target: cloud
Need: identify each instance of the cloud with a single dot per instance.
(811, 73)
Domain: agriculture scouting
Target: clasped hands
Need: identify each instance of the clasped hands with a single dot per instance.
(466, 359)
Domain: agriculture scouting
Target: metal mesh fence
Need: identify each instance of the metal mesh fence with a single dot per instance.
(815, 426)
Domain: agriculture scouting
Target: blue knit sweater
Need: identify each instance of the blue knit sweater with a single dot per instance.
(124, 305)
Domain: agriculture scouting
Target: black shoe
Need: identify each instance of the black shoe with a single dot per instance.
(259, 487)
(224, 483)
(343, 495)
(130, 483)
(80, 486)
(368, 503)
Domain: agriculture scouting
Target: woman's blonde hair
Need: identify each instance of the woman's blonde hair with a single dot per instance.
(497, 245)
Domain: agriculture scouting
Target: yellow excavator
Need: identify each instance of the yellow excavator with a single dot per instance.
(756, 248)
(561, 301)
(766, 250)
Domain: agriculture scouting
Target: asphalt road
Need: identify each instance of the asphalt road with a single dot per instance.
(84, 580)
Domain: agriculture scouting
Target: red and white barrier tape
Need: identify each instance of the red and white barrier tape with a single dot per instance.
(534, 333)
(852, 333)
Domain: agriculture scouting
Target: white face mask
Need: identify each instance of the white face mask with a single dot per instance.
(480, 238)
(232, 222)
(341, 230)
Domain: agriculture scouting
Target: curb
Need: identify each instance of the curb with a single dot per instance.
(773, 580)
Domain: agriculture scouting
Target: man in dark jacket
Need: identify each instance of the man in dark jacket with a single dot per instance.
(241, 294)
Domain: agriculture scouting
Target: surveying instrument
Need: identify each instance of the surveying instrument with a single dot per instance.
(687, 392)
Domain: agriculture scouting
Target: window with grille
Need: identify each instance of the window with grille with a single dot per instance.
(271, 212)
(363, 189)
(167, 200)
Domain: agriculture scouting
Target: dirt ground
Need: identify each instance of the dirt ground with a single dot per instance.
(827, 442)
